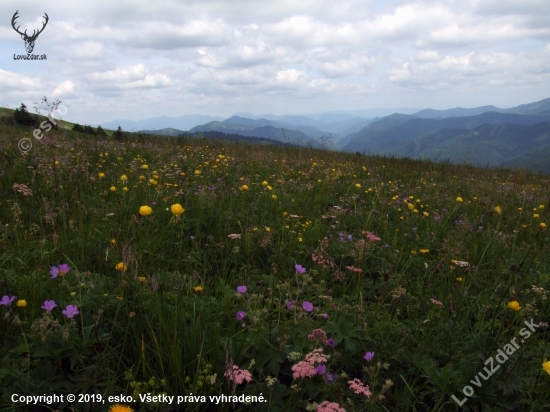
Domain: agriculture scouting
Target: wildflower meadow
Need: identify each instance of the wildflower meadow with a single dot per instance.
(232, 276)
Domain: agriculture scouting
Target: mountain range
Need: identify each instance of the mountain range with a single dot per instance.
(486, 135)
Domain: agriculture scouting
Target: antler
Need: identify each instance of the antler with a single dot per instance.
(43, 26)
(13, 24)
(34, 34)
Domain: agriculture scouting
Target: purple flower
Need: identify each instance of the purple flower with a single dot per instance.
(54, 271)
(63, 269)
(369, 356)
(241, 289)
(330, 377)
(240, 315)
(70, 311)
(325, 316)
(154, 203)
(6, 300)
(192, 237)
(320, 369)
(300, 269)
(49, 305)
(290, 304)
(330, 342)
(307, 306)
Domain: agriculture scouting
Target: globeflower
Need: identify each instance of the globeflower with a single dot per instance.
(124, 178)
(112, 189)
(145, 210)
(546, 367)
(101, 175)
(514, 305)
(144, 167)
(177, 209)
(21, 303)
(243, 188)
(498, 209)
(459, 199)
(121, 267)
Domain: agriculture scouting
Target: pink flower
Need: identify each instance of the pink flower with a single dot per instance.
(307, 306)
(369, 356)
(327, 406)
(237, 375)
(357, 386)
(303, 370)
(316, 357)
(241, 289)
(318, 335)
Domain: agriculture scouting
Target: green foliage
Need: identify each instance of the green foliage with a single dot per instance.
(425, 287)
(23, 117)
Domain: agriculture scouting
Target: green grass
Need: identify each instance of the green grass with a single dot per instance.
(167, 324)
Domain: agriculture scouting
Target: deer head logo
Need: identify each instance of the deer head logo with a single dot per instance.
(29, 40)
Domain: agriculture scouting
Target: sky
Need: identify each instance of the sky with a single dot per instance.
(122, 59)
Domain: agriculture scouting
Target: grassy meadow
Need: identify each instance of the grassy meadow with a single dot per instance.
(318, 280)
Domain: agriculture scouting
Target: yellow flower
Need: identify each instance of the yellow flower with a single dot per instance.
(145, 210)
(120, 408)
(426, 214)
(264, 183)
(546, 367)
(144, 167)
(177, 209)
(274, 197)
(198, 288)
(514, 305)
(21, 303)
(197, 172)
(542, 225)
(424, 250)
(267, 229)
(141, 279)
(358, 186)
(459, 279)
(498, 209)
(319, 180)
(112, 189)
(541, 207)
(125, 189)
(244, 187)
(121, 267)
(459, 199)
(299, 239)
(269, 187)
(536, 216)
(113, 241)
(101, 175)
(410, 206)
(152, 181)
(124, 178)
(132, 314)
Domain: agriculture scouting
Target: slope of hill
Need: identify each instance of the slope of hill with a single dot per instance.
(184, 122)
(456, 112)
(402, 127)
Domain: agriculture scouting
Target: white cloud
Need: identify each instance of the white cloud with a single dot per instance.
(108, 57)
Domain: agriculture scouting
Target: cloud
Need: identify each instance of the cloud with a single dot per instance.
(105, 57)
